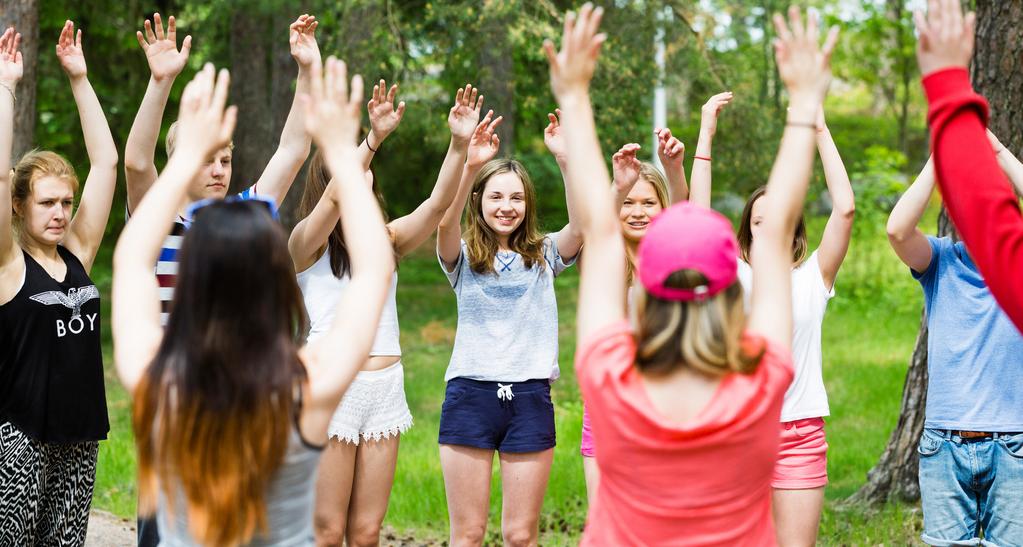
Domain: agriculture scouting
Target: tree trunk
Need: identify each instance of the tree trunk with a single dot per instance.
(999, 49)
(23, 15)
(998, 67)
(497, 69)
(250, 91)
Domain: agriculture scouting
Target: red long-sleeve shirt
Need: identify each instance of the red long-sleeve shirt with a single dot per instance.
(979, 199)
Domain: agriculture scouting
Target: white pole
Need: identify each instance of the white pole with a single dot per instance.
(660, 113)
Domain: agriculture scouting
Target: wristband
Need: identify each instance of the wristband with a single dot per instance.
(374, 150)
(801, 124)
(704, 158)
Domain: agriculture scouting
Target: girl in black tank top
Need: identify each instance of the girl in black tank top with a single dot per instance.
(52, 400)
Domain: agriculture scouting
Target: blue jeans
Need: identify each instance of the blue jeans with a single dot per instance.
(969, 486)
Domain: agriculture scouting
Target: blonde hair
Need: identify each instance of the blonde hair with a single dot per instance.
(481, 241)
(172, 135)
(706, 336)
(647, 172)
(30, 168)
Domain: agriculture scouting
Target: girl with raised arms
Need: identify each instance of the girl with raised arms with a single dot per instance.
(506, 345)
(685, 403)
(52, 401)
(231, 410)
(357, 468)
(802, 470)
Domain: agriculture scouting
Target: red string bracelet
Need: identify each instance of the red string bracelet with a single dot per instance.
(701, 158)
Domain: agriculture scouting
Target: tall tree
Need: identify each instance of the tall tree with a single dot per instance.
(250, 91)
(996, 75)
(24, 16)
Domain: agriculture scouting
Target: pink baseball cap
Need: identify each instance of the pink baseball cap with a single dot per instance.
(687, 236)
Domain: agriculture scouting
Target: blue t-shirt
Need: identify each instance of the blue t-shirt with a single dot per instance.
(974, 353)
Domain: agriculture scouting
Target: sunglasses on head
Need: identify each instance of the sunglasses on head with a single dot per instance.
(193, 209)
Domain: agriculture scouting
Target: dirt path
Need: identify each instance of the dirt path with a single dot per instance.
(106, 530)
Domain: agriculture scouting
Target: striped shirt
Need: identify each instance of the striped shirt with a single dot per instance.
(167, 264)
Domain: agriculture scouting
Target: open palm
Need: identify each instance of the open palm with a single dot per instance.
(69, 51)
(484, 143)
(465, 114)
(384, 117)
(302, 39)
(162, 54)
(11, 67)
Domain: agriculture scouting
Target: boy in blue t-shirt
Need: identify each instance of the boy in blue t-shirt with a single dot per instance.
(971, 450)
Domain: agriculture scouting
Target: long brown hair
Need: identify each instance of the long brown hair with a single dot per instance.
(745, 235)
(215, 409)
(649, 173)
(707, 336)
(480, 240)
(316, 180)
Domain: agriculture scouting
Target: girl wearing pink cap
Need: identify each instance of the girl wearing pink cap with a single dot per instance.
(802, 469)
(686, 402)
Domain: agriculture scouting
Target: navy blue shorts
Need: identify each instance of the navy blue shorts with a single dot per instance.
(507, 417)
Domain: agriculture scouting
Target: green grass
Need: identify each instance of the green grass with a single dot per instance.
(869, 333)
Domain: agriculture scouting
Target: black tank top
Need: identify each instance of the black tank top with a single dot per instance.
(51, 360)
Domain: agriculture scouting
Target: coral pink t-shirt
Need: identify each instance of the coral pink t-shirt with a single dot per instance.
(704, 482)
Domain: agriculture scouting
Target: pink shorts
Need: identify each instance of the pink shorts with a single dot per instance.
(586, 447)
(802, 457)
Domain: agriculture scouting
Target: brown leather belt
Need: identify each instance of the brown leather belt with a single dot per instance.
(972, 434)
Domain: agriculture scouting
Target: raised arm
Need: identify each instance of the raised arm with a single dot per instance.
(1009, 163)
(483, 146)
(700, 176)
(384, 118)
(90, 222)
(165, 63)
(312, 232)
(332, 119)
(11, 69)
(672, 152)
(835, 240)
(978, 198)
(569, 238)
(602, 282)
(411, 230)
(293, 149)
(625, 169)
(909, 243)
(204, 126)
(804, 68)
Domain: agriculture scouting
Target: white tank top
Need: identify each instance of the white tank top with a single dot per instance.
(321, 290)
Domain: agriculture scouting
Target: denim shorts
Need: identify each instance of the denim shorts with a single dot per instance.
(507, 417)
(971, 487)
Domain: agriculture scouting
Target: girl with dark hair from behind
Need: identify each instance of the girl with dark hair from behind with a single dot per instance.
(685, 403)
(801, 473)
(53, 406)
(362, 450)
(230, 409)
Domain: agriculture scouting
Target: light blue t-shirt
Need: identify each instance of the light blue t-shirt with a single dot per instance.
(508, 320)
(974, 353)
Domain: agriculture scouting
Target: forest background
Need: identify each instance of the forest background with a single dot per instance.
(875, 111)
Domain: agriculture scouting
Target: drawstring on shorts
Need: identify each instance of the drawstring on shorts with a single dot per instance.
(504, 392)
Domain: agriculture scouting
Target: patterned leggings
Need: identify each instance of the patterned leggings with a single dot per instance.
(45, 489)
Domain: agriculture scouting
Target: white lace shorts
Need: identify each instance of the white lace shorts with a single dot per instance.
(373, 408)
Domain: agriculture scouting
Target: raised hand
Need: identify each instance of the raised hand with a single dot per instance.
(302, 38)
(162, 54)
(484, 143)
(332, 113)
(804, 66)
(553, 138)
(946, 36)
(204, 125)
(572, 67)
(670, 150)
(712, 109)
(11, 65)
(69, 51)
(625, 167)
(465, 114)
